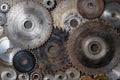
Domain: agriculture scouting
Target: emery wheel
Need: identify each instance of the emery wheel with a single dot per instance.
(90, 9)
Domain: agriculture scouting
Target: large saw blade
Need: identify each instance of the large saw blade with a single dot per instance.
(29, 25)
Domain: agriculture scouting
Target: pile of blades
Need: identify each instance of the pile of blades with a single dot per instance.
(59, 39)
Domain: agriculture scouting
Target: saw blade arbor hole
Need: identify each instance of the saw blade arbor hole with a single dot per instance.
(90, 5)
(49, 3)
(36, 76)
(94, 48)
(28, 24)
(8, 75)
(74, 23)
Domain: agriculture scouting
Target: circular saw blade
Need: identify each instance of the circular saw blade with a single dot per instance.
(78, 55)
(61, 12)
(29, 27)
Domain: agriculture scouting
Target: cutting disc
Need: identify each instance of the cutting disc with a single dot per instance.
(29, 25)
(94, 48)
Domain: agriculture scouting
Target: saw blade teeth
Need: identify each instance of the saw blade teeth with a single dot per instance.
(21, 52)
(49, 4)
(55, 52)
(116, 30)
(61, 47)
(33, 33)
(5, 7)
(60, 12)
(72, 53)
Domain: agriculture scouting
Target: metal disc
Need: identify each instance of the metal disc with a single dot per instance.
(90, 9)
(28, 25)
(112, 14)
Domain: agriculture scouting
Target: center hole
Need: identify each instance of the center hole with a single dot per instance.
(74, 23)
(23, 77)
(94, 48)
(8, 75)
(36, 76)
(113, 14)
(3, 7)
(90, 5)
(60, 77)
(49, 3)
(72, 75)
(28, 24)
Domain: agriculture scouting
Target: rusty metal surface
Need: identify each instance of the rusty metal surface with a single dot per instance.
(77, 53)
(81, 45)
(90, 9)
